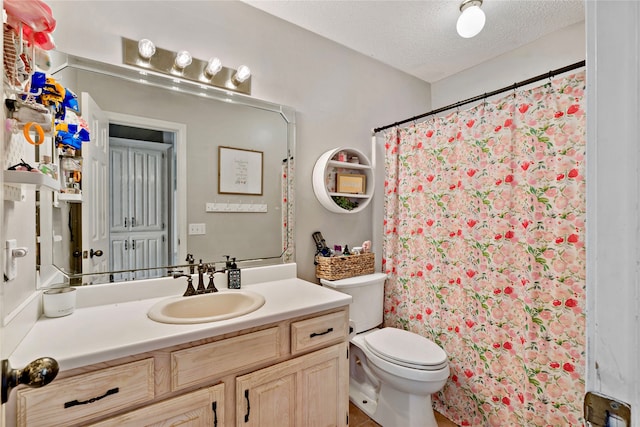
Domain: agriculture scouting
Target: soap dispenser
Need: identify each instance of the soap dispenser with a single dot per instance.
(233, 275)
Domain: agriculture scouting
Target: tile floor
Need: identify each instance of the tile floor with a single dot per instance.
(357, 418)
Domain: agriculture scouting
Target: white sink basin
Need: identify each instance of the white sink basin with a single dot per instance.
(206, 308)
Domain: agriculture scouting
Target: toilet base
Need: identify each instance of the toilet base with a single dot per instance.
(392, 408)
(367, 404)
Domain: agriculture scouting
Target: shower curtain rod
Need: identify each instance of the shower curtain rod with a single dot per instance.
(514, 86)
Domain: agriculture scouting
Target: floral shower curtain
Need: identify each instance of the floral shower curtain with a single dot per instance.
(484, 246)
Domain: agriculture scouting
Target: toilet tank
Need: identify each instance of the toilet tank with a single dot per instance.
(367, 291)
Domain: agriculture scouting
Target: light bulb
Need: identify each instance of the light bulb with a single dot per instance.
(183, 59)
(242, 74)
(471, 20)
(146, 48)
(214, 65)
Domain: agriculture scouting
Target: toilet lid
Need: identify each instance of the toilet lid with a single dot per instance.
(406, 349)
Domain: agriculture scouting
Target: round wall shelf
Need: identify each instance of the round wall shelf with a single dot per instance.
(343, 180)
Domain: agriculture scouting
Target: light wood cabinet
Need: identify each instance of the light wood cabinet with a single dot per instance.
(194, 365)
(80, 398)
(293, 372)
(200, 408)
(305, 391)
(318, 331)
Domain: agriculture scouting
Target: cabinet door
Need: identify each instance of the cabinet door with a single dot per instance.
(323, 390)
(137, 189)
(120, 255)
(119, 189)
(311, 390)
(200, 408)
(146, 197)
(146, 250)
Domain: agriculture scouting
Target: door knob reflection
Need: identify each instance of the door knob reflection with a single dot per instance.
(93, 253)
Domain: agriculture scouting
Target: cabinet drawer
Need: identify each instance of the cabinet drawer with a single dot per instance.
(210, 361)
(82, 397)
(318, 331)
(204, 407)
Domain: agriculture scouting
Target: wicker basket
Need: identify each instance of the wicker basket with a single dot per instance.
(341, 267)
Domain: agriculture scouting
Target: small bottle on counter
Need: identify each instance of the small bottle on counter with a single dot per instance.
(346, 250)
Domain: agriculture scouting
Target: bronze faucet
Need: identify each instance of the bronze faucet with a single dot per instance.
(191, 261)
(190, 289)
(202, 268)
(211, 287)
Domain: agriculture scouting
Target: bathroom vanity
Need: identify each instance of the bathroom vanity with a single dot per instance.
(285, 364)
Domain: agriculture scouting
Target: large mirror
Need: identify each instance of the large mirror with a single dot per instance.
(161, 190)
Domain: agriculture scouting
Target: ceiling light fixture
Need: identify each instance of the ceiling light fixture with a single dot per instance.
(184, 68)
(471, 19)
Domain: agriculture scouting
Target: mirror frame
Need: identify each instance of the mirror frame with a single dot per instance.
(61, 61)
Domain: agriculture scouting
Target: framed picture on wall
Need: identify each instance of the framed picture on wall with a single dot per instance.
(239, 171)
(351, 183)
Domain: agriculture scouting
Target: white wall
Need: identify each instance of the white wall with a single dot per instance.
(339, 95)
(613, 197)
(553, 51)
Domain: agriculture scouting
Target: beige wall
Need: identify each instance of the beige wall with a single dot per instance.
(339, 95)
(553, 51)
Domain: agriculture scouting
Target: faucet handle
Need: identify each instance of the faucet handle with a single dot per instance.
(178, 273)
(190, 289)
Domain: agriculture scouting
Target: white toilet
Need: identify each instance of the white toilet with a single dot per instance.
(392, 372)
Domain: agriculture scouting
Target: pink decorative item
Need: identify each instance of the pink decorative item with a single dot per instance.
(36, 20)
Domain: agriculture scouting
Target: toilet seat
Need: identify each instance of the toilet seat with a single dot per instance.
(406, 349)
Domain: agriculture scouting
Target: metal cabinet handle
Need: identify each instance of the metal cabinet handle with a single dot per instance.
(317, 334)
(133, 221)
(246, 396)
(93, 399)
(214, 408)
(125, 222)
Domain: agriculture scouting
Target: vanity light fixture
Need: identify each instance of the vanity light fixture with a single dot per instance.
(214, 65)
(241, 75)
(183, 60)
(471, 19)
(145, 55)
(146, 48)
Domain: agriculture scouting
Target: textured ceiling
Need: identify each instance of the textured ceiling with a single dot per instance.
(419, 37)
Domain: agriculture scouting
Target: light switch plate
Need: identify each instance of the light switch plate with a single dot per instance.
(196, 229)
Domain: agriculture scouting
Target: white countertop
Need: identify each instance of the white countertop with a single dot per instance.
(98, 333)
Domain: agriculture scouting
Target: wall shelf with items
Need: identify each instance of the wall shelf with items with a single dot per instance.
(14, 181)
(343, 180)
(70, 198)
(70, 177)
